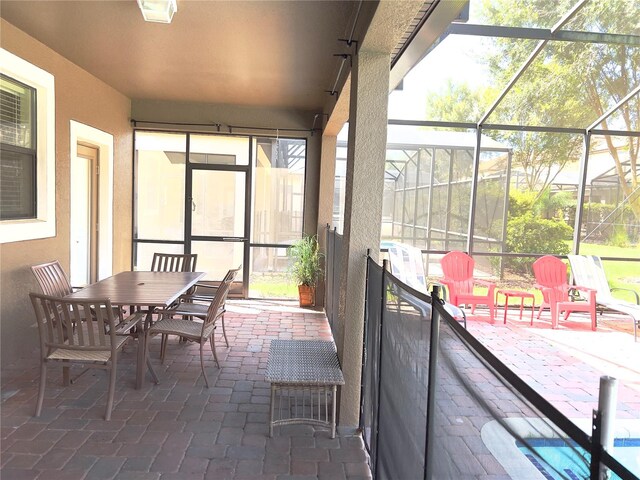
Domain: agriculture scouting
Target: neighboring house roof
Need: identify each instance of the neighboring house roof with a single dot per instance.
(401, 136)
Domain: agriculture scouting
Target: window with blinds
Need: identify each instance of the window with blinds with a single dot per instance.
(17, 150)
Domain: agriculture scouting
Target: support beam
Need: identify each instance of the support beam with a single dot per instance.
(363, 214)
(325, 199)
(609, 112)
(474, 189)
(528, 33)
(582, 185)
(536, 51)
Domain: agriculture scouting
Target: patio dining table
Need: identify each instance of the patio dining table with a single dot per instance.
(144, 291)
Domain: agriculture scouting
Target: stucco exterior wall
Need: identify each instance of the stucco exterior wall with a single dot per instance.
(81, 97)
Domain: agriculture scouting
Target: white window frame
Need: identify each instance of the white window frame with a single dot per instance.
(44, 225)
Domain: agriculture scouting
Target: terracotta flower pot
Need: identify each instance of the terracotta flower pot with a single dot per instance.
(307, 295)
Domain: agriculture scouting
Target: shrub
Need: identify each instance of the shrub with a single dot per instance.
(521, 203)
(530, 234)
(619, 237)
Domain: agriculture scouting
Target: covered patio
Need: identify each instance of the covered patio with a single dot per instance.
(220, 135)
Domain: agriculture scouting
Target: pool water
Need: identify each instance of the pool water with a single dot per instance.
(572, 462)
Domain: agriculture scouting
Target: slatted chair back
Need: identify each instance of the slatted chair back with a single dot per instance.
(217, 307)
(588, 270)
(457, 268)
(174, 262)
(551, 273)
(52, 279)
(407, 265)
(91, 321)
(77, 331)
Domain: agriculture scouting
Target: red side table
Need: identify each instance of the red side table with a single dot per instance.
(517, 294)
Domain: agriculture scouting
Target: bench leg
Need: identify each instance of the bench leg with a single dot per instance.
(333, 413)
(272, 409)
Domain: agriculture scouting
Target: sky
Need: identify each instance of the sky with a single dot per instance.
(453, 59)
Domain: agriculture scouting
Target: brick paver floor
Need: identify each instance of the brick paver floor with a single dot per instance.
(177, 429)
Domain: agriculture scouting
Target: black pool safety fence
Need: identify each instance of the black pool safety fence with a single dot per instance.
(332, 275)
(436, 404)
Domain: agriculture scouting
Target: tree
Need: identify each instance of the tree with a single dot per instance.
(569, 84)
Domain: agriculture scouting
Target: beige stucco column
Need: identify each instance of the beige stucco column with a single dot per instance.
(363, 213)
(325, 198)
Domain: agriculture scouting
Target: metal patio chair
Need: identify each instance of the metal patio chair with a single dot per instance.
(406, 264)
(79, 331)
(174, 262)
(192, 330)
(588, 270)
(52, 278)
(53, 281)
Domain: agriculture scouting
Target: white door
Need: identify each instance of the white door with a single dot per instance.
(84, 209)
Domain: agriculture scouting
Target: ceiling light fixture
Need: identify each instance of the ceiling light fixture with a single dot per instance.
(158, 11)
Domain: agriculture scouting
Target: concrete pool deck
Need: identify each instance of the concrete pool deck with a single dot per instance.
(565, 364)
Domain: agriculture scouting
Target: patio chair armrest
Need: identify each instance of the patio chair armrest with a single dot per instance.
(198, 296)
(131, 321)
(207, 296)
(582, 289)
(587, 290)
(446, 283)
(613, 289)
(548, 293)
(484, 283)
(210, 289)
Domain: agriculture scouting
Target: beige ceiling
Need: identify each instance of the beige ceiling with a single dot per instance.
(260, 53)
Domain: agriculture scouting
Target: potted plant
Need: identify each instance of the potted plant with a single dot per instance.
(305, 268)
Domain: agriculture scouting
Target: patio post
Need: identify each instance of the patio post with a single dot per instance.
(607, 401)
(434, 342)
(366, 151)
(325, 200)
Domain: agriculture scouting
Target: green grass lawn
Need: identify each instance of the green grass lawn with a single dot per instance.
(276, 286)
(621, 274)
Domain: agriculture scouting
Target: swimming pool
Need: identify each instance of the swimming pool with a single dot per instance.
(571, 460)
(520, 464)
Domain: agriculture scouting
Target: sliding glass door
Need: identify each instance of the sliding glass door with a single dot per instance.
(218, 179)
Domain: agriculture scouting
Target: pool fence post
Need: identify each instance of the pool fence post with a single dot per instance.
(604, 424)
(434, 341)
